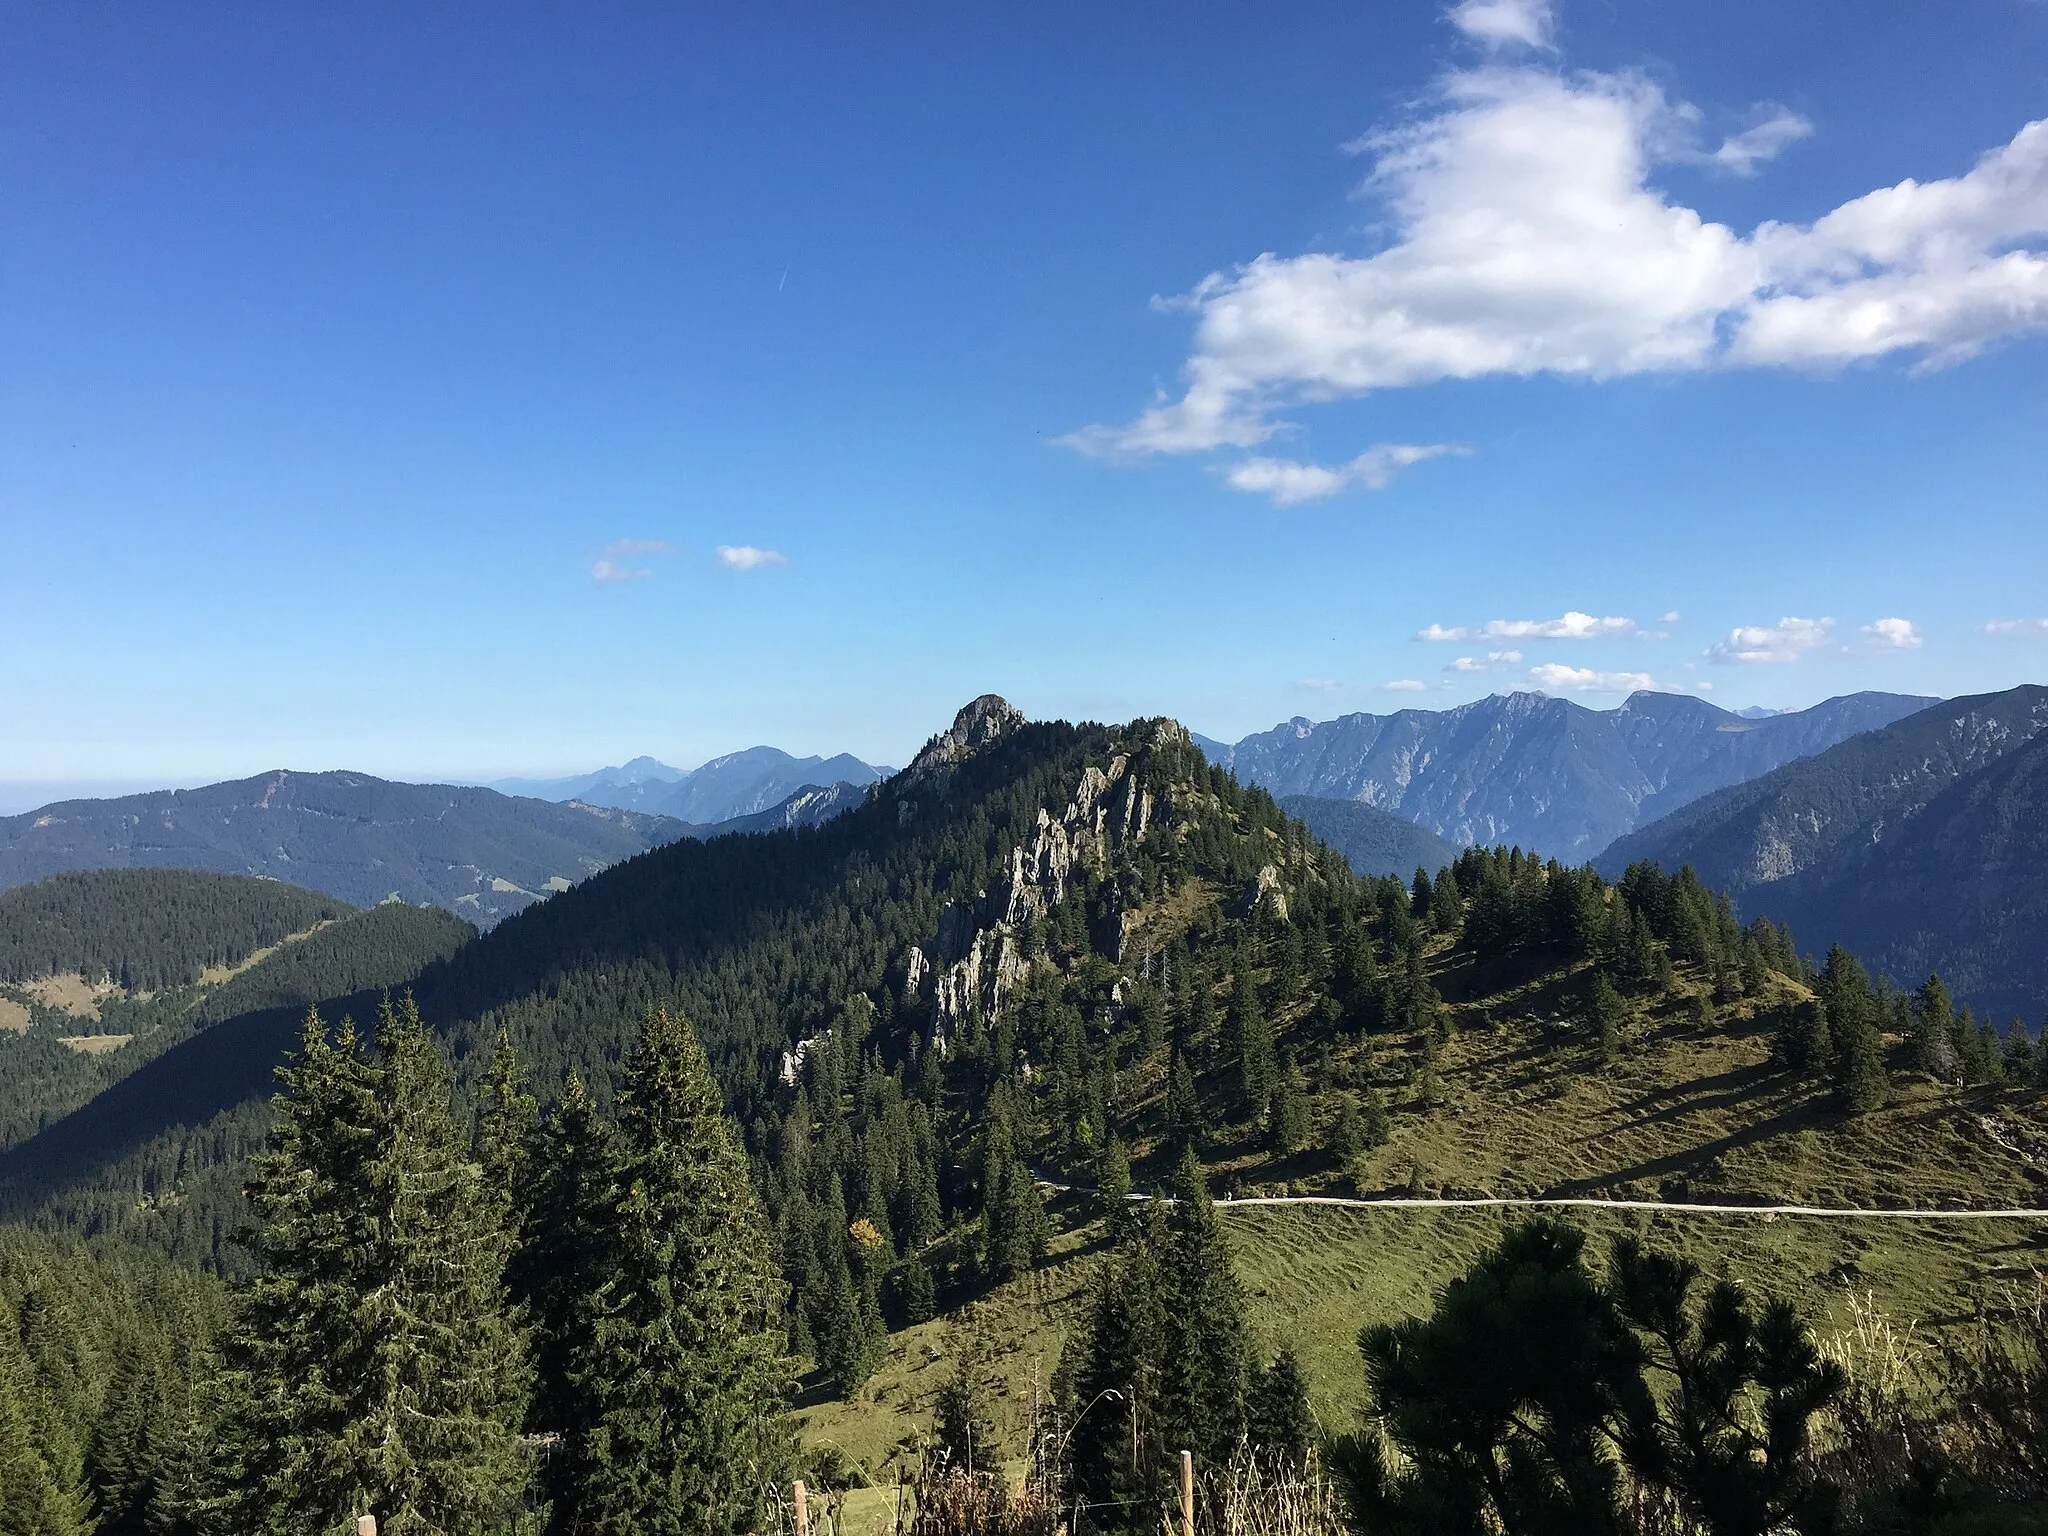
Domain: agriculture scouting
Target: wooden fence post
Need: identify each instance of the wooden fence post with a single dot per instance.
(803, 1511)
(1187, 1493)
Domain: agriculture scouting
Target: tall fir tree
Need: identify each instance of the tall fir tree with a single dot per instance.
(679, 1379)
(1206, 1361)
(1251, 1046)
(374, 1367)
(1113, 1457)
(570, 1179)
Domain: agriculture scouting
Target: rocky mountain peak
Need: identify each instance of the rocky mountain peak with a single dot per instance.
(978, 726)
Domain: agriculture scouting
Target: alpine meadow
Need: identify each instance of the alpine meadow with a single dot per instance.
(488, 1048)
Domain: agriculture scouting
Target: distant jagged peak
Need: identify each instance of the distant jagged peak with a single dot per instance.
(979, 726)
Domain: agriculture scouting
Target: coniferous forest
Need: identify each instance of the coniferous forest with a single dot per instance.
(579, 1224)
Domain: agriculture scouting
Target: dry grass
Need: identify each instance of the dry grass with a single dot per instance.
(96, 1045)
(70, 993)
(14, 1016)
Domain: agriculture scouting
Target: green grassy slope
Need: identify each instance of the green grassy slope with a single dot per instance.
(1690, 1112)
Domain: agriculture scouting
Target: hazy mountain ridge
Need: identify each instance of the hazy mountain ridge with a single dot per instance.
(738, 784)
(349, 835)
(1922, 846)
(1373, 841)
(1542, 772)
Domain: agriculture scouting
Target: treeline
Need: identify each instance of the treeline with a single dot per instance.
(148, 929)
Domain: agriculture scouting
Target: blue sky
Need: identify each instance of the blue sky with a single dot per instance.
(440, 393)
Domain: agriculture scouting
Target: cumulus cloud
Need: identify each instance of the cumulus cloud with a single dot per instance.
(1671, 617)
(1891, 635)
(1527, 236)
(744, 557)
(1787, 640)
(1318, 684)
(1492, 661)
(1289, 483)
(1505, 23)
(1403, 685)
(1585, 680)
(1572, 626)
(615, 561)
(2036, 628)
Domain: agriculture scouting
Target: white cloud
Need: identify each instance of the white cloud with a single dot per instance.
(1527, 237)
(744, 557)
(1318, 684)
(1891, 634)
(1289, 484)
(614, 561)
(1742, 153)
(1403, 685)
(1492, 661)
(1585, 680)
(1501, 23)
(1670, 618)
(1787, 640)
(2037, 628)
(1572, 626)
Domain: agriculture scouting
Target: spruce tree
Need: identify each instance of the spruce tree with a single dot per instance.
(2019, 1055)
(570, 1176)
(1113, 1454)
(1113, 1185)
(1182, 1115)
(376, 1368)
(963, 1435)
(1278, 1422)
(1861, 1082)
(1346, 1136)
(1015, 1229)
(1251, 1045)
(680, 1377)
(1379, 1123)
(1206, 1360)
(1609, 1013)
(505, 1123)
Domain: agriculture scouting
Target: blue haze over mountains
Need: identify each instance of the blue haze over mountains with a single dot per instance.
(737, 784)
(1540, 772)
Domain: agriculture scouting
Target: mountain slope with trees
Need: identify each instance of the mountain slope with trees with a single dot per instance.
(1373, 841)
(1923, 847)
(1056, 948)
(1043, 955)
(1543, 773)
(361, 839)
(147, 929)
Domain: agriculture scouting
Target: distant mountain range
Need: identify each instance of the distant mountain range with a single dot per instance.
(1921, 847)
(348, 835)
(1541, 772)
(474, 851)
(738, 784)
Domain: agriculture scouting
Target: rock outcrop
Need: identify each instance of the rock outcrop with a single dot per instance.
(977, 955)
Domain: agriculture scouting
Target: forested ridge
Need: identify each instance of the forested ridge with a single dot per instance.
(1043, 950)
(147, 929)
(152, 1140)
